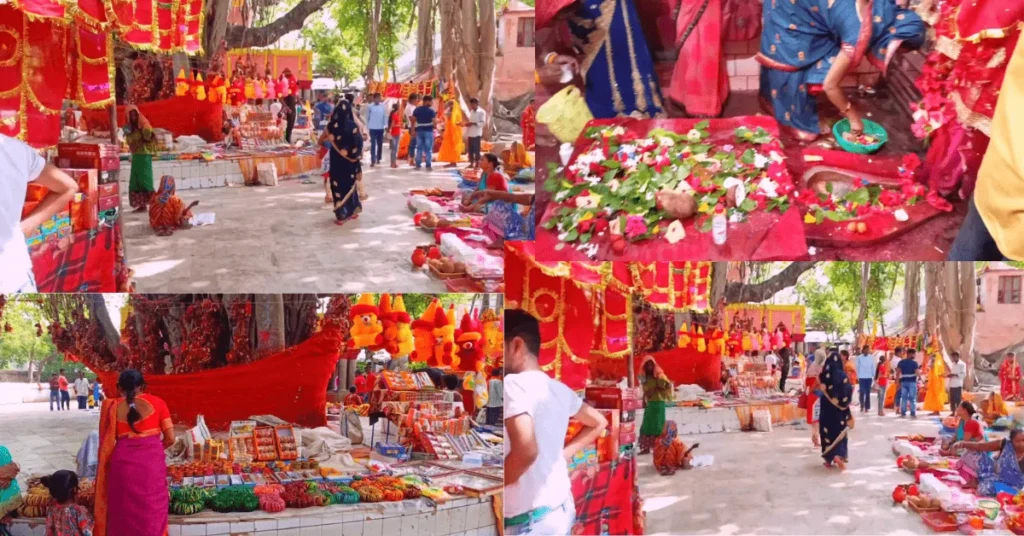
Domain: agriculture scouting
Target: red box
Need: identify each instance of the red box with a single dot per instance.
(604, 397)
(88, 155)
(626, 438)
(633, 393)
(632, 404)
(107, 203)
(627, 428)
(109, 189)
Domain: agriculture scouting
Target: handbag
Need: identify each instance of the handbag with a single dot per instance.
(565, 114)
(802, 401)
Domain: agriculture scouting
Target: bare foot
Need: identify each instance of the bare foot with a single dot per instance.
(840, 463)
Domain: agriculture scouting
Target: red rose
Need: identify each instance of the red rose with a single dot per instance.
(890, 198)
(597, 169)
(629, 136)
(863, 210)
(600, 226)
(807, 197)
(585, 226)
(911, 161)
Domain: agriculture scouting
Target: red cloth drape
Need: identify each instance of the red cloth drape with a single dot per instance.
(607, 501)
(182, 116)
(291, 384)
(686, 366)
(92, 262)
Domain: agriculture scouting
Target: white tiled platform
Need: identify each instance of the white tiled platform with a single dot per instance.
(191, 174)
(461, 517)
(694, 421)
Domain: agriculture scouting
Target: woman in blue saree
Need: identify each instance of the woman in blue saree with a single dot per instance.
(1004, 473)
(810, 45)
(345, 164)
(611, 52)
(836, 419)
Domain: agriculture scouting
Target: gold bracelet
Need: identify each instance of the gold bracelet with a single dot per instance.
(550, 58)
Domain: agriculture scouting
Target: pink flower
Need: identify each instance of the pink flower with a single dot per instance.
(807, 197)
(628, 137)
(635, 226)
(937, 201)
(863, 210)
(911, 161)
(661, 162)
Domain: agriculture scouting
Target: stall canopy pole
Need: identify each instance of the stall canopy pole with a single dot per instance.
(630, 371)
(113, 123)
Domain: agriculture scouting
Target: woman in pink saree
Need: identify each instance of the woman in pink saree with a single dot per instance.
(700, 82)
(131, 482)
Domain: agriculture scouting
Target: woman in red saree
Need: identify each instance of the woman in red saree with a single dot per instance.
(1009, 378)
(167, 212)
(131, 480)
(960, 84)
(529, 124)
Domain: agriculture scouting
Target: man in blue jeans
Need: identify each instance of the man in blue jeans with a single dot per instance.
(425, 117)
(898, 352)
(376, 123)
(865, 365)
(909, 370)
(55, 392)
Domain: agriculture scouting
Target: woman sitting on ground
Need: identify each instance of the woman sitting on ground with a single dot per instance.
(969, 429)
(1005, 472)
(993, 408)
(167, 212)
(515, 158)
(670, 453)
(491, 178)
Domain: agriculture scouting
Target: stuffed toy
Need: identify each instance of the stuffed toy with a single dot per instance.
(366, 326)
(469, 344)
(444, 337)
(403, 343)
(390, 333)
(423, 334)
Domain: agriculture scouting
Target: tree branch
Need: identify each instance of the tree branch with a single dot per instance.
(758, 292)
(238, 36)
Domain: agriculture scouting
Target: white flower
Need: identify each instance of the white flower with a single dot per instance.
(675, 232)
(562, 237)
(741, 193)
(737, 217)
(729, 182)
(693, 135)
(588, 201)
(590, 250)
(561, 196)
(615, 227)
(728, 148)
(901, 215)
(760, 160)
(613, 185)
(769, 187)
(592, 179)
(812, 251)
(665, 141)
(628, 148)
(919, 114)
(776, 157)
(618, 131)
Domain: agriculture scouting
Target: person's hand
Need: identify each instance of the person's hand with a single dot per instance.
(478, 197)
(856, 122)
(344, 152)
(550, 74)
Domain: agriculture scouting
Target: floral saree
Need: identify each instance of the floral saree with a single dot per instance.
(1002, 472)
(801, 39)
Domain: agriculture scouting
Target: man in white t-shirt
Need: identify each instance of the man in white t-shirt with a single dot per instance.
(474, 124)
(538, 494)
(410, 107)
(956, 375)
(20, 165)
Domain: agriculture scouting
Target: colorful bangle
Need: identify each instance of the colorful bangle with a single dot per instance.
(550, 58)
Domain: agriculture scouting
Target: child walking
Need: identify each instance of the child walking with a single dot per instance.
(66, 518)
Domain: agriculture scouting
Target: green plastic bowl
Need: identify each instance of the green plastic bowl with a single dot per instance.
(871, 128)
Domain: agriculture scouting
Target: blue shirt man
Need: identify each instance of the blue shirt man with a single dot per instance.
(322, 112)
(424, 117)
(865, 364)
(376, 123)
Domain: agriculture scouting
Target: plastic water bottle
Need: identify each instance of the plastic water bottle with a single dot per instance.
(719, 225)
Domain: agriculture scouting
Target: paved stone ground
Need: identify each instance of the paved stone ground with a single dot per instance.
(284, 238)
(42, 441)
(775, 484)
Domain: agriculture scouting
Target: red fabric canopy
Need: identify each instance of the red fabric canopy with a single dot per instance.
(291, 385)
(685, 366)
(182, 116)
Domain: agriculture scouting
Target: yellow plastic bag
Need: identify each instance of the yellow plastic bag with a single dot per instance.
(565, 114)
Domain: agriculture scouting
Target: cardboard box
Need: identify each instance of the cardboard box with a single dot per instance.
(632, 404)
(102, 157)
(627, 427)
(109, 189)
(604, 397)
(107, 203)
(627, 438)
